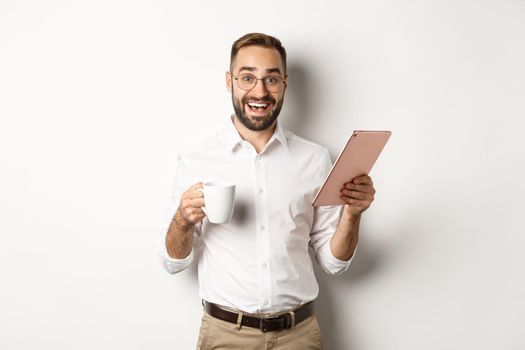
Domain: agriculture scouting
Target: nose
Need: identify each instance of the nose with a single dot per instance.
(259, 90)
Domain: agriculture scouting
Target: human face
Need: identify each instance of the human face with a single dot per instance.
(260, 62)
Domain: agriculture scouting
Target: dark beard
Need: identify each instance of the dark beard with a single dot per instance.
(267, 122)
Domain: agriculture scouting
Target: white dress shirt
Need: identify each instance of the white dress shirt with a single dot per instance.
(259, 261)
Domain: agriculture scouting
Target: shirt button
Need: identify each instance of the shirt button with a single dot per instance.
(263, 265)
(260, 190)
(263, 228)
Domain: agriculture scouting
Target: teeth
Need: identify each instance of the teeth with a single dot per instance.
(258, 105)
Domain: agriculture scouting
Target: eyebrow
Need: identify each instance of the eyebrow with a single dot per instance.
(273, 70)
(268, 70)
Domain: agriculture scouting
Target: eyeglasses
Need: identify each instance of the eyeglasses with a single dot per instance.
(247, 81)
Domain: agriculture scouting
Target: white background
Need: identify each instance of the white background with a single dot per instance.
(97, 97)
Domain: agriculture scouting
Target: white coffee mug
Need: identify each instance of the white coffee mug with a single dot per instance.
(219, 199)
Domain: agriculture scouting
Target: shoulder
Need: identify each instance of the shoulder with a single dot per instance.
(300, 144)
(203, 146)
(312, 158)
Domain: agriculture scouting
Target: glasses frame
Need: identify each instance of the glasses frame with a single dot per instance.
(262, 79)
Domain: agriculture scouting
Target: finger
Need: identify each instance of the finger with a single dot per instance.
(189, 204)
(360, 188)
(196, 203)
(196, 186)
(196, 216)
(358, 195)
(192, 211)
(363, 180)
(355, 202)
(197, 213)
(194, 194)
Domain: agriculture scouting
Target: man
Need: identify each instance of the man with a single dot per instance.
(255, 274)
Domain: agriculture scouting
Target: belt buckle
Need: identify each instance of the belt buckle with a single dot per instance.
(265, 322)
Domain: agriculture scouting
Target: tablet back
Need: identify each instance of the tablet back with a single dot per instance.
(357, 158)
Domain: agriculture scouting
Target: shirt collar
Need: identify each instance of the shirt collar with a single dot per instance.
(232, 138)
(279, 134)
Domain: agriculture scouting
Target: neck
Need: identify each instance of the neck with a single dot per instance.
(258, 139)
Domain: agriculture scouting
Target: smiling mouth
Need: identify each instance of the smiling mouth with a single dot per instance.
(260, 107)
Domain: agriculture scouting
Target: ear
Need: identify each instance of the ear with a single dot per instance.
(228, 81)
(285, 82)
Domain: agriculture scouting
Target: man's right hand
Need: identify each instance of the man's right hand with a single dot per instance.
(191, 203)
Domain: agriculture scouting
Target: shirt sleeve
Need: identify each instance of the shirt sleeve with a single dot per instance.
(183, 180)
(324, 225)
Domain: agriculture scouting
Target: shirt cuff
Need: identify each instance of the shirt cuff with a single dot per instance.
(171, 260)
(334, 265)
(173, 265)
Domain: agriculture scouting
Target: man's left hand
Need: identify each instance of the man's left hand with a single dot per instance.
(358, 194)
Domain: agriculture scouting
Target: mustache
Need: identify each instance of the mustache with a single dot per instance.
(268, 99)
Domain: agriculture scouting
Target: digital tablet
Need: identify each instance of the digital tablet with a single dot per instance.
(357, 158)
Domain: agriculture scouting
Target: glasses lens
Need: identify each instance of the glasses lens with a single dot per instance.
(273, 83)
(246, 81)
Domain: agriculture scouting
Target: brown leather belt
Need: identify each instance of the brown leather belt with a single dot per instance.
(264, 323)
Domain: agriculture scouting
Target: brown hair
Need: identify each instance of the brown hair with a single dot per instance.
(258, 39)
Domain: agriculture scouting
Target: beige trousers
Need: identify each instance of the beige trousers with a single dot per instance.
(216, 334)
